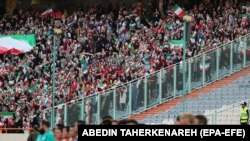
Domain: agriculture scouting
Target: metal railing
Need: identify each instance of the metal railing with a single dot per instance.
(146, 92)
(228, 115)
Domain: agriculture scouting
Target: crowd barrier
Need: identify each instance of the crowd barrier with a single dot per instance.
(146, 92)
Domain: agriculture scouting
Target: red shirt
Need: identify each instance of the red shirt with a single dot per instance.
(73, 86)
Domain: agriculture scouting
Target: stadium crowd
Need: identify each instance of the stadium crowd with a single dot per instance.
(97, 51)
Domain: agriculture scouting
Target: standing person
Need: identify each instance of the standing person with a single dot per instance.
(200, 120)
(45, 133)
(72, 134)
(58, 133)
(65, 134)
(244, 114)
(33, 134)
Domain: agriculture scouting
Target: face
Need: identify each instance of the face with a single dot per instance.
(185, 121)
(58, 134)
(72, 132)
(76, 127)
(65, 133)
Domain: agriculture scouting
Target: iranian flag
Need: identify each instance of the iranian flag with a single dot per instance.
(244, 20)
(178, 11)
(47, 13)
(16, 44)
(177, 44)
(103, 86)
(7, 115)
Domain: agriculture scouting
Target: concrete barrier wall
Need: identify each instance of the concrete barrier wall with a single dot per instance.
(13, 137)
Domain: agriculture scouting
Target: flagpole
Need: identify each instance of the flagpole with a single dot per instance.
(53, 83)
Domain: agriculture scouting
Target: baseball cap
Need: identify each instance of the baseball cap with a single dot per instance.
(243, 103)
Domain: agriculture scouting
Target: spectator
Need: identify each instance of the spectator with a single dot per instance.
(200, 120)
(106, 122)
(72, 134)
(115, 122)
(78, 123)
(45, 133)
(33, 134)
(187, 119)
(58, 134)
(65, 134)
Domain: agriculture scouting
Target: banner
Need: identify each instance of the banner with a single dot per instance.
(177, 44)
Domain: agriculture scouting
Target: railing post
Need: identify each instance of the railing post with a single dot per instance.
(174, 81)
(189, 74)
(145, 92)
(160, 85)
(82, 109)
(98, 108)
(215, 117)
(231, 57)
(217, 62)
(65, 115)
(130, 99)
(114, 103)
(244, 51)
(203, 70)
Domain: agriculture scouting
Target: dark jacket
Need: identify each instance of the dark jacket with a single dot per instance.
(33, 136)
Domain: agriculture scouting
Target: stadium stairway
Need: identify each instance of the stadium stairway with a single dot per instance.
(162, 109)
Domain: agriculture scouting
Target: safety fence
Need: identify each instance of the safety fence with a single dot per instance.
(146, 92)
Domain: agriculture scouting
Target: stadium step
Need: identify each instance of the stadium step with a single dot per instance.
(194, 94)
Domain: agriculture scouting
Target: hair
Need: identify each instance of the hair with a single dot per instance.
(67, 128)
(46, 123)
(178, 118)
(81, 122)
(201, 119)
(189, 116)
(60, 125)
(60, 129)
(106, 122)
(132, 121)
(128, 121)
(107, 117)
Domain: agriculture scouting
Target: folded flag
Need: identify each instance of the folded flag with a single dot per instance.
(178, 11)
(16, 44)
(47, 12)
